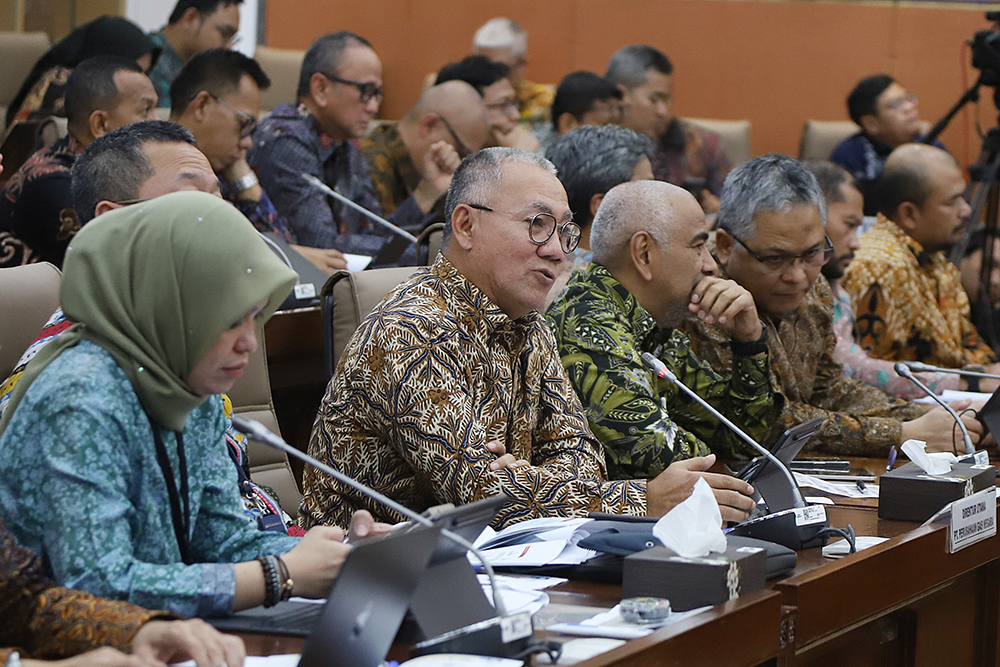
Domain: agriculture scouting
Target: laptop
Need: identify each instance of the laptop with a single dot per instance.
(364, 610)
(310, 278)
(767, 479)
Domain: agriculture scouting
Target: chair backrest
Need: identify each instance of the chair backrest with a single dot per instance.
(734, 137)
(251, 397)
(820, 137)
(282, 67)
(429, 243)
(28, 296)
(19, 51)
(347, 298)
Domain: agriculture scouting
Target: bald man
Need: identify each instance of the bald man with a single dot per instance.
(907, 296)
(448, 122)
(651, 270)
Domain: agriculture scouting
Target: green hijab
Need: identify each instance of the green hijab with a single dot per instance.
(155, 284)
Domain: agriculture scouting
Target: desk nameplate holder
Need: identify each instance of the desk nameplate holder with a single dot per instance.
(972, 519)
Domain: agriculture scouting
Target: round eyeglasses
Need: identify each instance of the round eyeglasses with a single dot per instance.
(541, 227)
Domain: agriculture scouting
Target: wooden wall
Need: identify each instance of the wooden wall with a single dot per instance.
(777, 62)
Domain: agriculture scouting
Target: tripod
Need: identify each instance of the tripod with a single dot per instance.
(983, 195)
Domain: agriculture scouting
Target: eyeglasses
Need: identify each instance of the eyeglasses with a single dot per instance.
(909, 98)
(504, 105)
(247, 122)
(367, 90)
(779, 264)
(460, 147)
(130, 202)
(542, 226)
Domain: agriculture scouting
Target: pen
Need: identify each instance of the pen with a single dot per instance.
(892, 459)
(861, 486)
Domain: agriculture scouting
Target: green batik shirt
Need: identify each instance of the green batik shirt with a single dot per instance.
(645, 422)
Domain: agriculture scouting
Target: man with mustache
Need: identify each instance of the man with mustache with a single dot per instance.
(844, 216)
(907, 296)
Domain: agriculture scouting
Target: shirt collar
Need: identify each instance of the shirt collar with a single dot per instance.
(642, 324)
(473, 309)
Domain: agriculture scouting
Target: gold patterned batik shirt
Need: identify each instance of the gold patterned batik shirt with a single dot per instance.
(389, 165)
(861, 420)
(435, 372)
(645, 422)
(909, 303)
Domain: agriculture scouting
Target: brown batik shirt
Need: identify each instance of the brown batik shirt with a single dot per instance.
(435, 372)
(861, 420)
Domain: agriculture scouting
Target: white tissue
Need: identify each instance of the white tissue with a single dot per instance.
(932, 463)
(693, 528)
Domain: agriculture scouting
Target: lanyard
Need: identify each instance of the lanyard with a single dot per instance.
(181, 519)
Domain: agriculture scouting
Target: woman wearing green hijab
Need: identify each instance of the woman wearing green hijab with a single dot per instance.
(112, 462)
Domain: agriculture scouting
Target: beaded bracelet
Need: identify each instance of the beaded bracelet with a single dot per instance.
(272, 585)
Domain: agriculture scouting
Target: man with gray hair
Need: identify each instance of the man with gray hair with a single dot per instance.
(504, 41)
(457, 357)
(651, 271)
(339, 93)
(772, 240)
(686, 155)
(590, 161)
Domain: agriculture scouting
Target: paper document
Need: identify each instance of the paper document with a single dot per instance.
(357, 262)
(516, 598)
(842, 548)
(949, 395)
(846, 489)
(611, 624)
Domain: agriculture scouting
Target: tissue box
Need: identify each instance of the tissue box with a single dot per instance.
(909, 494)
(694, 582)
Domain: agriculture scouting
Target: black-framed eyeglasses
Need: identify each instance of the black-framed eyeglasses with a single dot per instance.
(130, 202)
(541, 227)
(247, 122)
(460, 147)
(366, 90)
(504, 105)
(778, 264)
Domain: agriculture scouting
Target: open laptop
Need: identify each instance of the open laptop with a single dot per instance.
(770, 482)
(445, 573)
(365, 607)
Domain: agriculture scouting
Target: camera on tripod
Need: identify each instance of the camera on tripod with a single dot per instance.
(986, 51)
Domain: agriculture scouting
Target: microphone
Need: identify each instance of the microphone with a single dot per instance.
(254, 429)
(662, 371)
(501, 636)
(927, 368)
(327, 190)
(902, 370)
(798, 527)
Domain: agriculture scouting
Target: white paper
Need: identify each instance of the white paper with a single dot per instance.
(460, 660)
(818, 500)
(534, 530)
(525, 555)
(516, 598)
(936, 463)
(846, 489)
(357, 262)
(842, 548)
(610, 623)
(949, 395)
(693, 528)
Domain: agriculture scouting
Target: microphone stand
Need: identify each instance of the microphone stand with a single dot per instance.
(797, 527)
(327, 190)
(902, 370)
(254, 429)
(927, 368)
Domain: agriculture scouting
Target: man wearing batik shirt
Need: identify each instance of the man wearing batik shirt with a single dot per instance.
(651, 270)
(771, 239)
(908, 298)
(457, 357)
(339, 93)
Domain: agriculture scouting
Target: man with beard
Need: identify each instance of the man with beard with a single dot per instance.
(651, 270)
(907, 296)
(771, 239)
(844, 216)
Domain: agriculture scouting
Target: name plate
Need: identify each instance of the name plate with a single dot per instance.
(973, 518)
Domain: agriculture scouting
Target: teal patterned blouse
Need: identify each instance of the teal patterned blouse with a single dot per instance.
(81, 487)
(644, 422)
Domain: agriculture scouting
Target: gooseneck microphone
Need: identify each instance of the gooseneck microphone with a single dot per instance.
(327, 190)
(662, 371)
(903, 370)
(927, 368)
(798, 527)
(257, 431)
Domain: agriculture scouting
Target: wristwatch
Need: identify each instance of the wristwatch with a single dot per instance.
(244, 183)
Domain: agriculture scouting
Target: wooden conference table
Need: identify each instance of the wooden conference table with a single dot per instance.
(904, 602)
